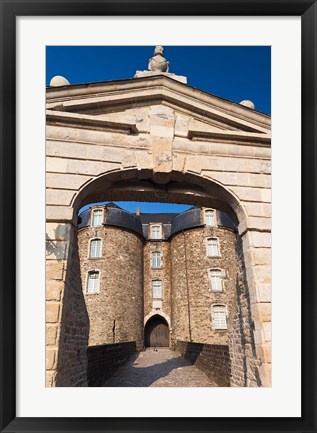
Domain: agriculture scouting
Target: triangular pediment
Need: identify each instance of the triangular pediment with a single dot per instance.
(126, 105)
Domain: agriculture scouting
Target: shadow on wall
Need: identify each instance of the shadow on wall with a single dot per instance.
(74, 332)
(250, 362)
(57, 247)
(105, 359)
(240, 287)
(192, 355)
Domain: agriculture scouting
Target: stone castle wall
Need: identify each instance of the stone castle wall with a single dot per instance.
(71, 365)
(192, 297)
(103, 360)
(241, 341)
(116, 311)
(190, 281)
(212, 359)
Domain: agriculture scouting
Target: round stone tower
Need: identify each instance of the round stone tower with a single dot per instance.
(111, 256)
(204, 276)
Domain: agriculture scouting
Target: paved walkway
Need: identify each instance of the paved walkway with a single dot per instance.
(158, 367)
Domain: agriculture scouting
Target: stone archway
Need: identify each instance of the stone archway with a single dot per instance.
(156, 332)
(153, 313)
(173, 143)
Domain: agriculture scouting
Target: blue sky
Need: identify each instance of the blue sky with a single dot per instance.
(233, 73)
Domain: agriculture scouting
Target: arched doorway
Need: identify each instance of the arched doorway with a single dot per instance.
(156, 332)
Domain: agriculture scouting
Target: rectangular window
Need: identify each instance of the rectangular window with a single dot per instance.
(97, 217)
(95, 248)
(156, 232)
(93, 282)
(157, 289)
(212, 247)
(210, 217)
(216, 277)
(219, 317)
(156, 260)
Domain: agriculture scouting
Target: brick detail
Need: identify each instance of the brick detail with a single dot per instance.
(52, 312)
(54, 290)
(50, 359)
(55, 270)
(51, 335)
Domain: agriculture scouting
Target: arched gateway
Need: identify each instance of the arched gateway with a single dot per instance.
(152, 139)
(156, 332)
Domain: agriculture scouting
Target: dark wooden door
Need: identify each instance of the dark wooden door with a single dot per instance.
(159, 336)
(156, 333)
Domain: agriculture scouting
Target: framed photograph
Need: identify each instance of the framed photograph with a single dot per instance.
(175, 318)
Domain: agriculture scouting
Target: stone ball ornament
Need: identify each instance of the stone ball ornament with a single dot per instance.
(247, 103)
(58, 81)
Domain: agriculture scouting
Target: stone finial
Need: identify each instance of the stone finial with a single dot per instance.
(158, 62)
(247, 103)
(158, 65)
(58, 81)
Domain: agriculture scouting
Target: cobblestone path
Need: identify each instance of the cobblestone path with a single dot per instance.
(158, 367)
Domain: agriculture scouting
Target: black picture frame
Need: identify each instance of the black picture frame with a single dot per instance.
(10, 9)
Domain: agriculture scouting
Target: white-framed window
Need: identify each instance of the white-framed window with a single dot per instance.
(155, 232)
(93, 282)
(95, 248)
(213, 247)
(216, 279)
(219, 317)
(156, 259)
(97, 215)
(157, 292)
(210, 219)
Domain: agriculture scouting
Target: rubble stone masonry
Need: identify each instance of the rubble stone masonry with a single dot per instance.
(212, 359)
(192, 297)
(244, 361)
(116, 311)
(68, 324)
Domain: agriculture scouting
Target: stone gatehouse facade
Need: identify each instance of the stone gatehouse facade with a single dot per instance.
(157, 279)
(155, 138)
